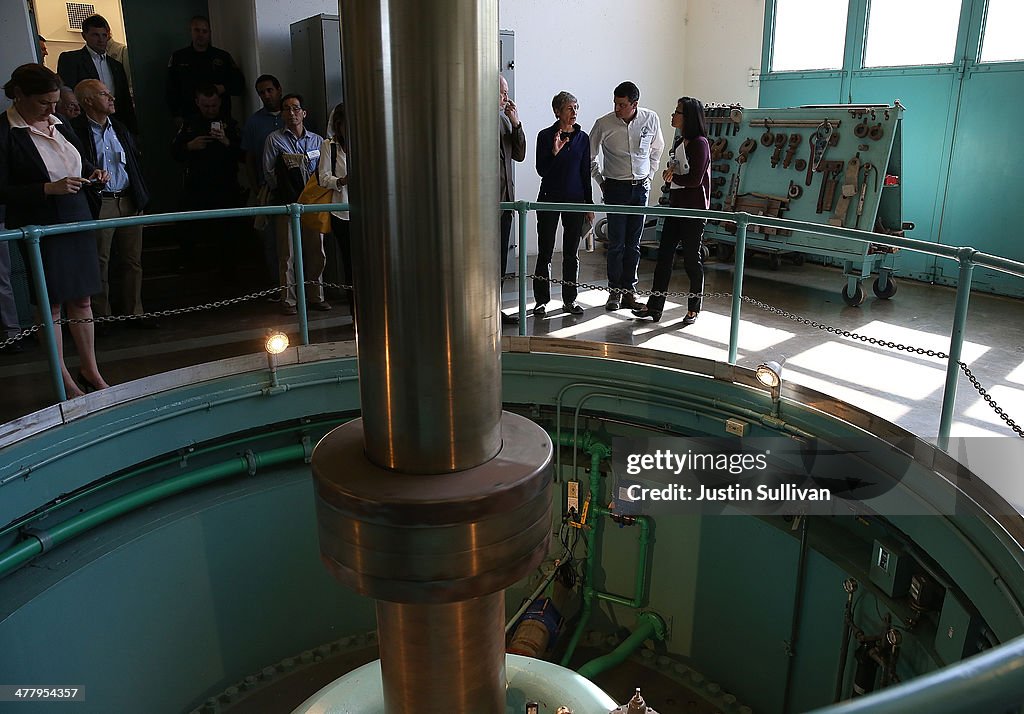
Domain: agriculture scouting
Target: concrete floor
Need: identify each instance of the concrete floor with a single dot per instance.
(903, 388)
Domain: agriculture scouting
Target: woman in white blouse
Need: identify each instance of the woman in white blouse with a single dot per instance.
(42, 182)
(333, 173)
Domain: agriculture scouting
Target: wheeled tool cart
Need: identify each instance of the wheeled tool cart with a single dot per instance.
(836, 165)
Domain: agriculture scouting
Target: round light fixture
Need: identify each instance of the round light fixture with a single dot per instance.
(769, 374)
(277, 343)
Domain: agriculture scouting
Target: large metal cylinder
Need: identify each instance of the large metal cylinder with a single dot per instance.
(422, 92)
(436, 548)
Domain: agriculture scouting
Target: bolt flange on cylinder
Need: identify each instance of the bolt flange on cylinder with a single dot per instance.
(437, 552)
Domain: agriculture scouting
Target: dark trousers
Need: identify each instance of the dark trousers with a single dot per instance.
(506, 234)
(689, 231)
(340, 229)
(624, 232)
(547, 225)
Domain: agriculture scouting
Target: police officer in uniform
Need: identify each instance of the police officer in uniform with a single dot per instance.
(197, 65)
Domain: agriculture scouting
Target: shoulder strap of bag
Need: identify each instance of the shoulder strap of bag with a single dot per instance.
(334, 160)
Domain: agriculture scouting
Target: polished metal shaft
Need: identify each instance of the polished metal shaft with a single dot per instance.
(421, 90)
(440, 658)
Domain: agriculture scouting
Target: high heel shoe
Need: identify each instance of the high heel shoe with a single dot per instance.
(87, 386)
(644, 312)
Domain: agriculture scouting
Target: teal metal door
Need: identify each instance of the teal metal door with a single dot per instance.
(961, 149)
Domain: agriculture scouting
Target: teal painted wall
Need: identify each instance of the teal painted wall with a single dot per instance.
(960, 150)
(162, 608)
(172, 604)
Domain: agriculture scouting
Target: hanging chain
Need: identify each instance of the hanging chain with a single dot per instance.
(888, 344)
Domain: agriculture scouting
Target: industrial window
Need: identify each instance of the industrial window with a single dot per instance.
(1002, 41)
(911, 32)
(809, 34)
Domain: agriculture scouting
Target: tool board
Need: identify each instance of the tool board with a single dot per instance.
(836, 165)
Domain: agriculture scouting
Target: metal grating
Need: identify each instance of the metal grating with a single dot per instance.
(78, 11)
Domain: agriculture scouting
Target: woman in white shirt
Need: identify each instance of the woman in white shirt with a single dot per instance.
(42, 182)
(333, 173)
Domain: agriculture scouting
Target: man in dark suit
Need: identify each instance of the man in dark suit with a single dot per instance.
(511, 147)
(92, 62)
(108, 144)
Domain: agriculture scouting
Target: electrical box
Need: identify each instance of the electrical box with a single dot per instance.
(957, 633)
(890, 570)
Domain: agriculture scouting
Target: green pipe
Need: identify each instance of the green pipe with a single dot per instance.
(524, 269)
(956, 343)
(648, 625)
(599, 451)
(33, 236)
(24, 551)
(135, 426)
(161, 463)
(739, 258)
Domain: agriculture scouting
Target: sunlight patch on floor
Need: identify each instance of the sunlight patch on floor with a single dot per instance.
(715, 328)
(580, 325)
(919, 338)
(961, 429)
(678, 344)
(870, 370)
(1010, 399)
(1017, 375)
(885, 408)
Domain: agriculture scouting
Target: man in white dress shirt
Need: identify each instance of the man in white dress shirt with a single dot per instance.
(625, 148)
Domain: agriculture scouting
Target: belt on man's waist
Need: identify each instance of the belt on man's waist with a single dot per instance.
(631, 182)
(114, 194)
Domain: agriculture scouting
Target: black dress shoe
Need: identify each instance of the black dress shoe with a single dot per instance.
(629, 302)
(573, 308)
(540, 309)
(690, 319)
(509, 319)
(644, 312)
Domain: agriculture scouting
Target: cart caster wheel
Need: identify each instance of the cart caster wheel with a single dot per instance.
(774, 261)
(601, 230)
(857, 298)
(705, 253)
(890, 289)
(799, 258)
(725, 252)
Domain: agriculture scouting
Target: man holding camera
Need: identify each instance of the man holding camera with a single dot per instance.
(209, 144)
(108, 144)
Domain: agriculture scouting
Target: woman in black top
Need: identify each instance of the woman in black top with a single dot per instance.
(41, 180)
(563, 162)
(689, 187)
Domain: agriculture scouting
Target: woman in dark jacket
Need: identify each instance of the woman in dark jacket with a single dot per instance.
(563, 162)
(42, 177)
(690, 187)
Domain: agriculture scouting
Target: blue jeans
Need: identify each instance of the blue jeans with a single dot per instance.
(624, 232)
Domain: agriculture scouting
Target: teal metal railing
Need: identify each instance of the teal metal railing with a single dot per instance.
(966, 257)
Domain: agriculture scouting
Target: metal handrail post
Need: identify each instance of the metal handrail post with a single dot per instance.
(521, 209)
(956, 343)
(298, 271)
(32, 236)
(737, 284)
